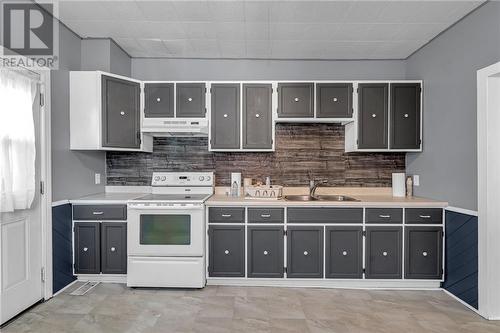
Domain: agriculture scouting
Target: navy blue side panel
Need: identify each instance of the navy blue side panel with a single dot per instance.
(62, 250)
(461, 257)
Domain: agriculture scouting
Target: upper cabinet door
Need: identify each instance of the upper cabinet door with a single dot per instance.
(257, 118)
(334, 100)
(159, 100)
(190, 100)
(120, 113)
(225, 114)
(405, 115)
(295, 100)
(372, 113)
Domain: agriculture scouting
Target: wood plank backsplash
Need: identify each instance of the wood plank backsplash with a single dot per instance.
(303, 151)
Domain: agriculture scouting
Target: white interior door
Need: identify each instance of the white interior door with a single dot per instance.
(21, 247)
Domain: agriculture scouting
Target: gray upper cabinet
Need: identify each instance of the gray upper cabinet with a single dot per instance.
(226, 251)
(423, 252)
(334, 100)
(265, 252)
(384, 252)
(305, 252)
(344, 252)
(257, 116)
(114, 247)
(159, 100)
(120, 113)
(225, 116)
(296, 100)
(405, 116)
(190, 100)
(372, 114)
(87, 247)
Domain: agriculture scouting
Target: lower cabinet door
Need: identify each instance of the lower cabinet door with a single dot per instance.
(423, 253)
(305, 252)
(226, 253)
(344, 252)
(114, 248)
(87, 248)
(265, 252)
(383, 252)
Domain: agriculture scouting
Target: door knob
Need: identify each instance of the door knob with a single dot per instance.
(374, 115)
(296, 99)
(344, 253)
(158, 99)
(335, 99)
(113, 249)
(85, 249)
(406, 115)
(266, 253)
(424, 254)
(190, 99)
(226, 252)
(225, 115)
(122, 113)
(257, 115)
(306, 253)
(384, 254)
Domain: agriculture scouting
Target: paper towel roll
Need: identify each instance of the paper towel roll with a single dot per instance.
(398, 184)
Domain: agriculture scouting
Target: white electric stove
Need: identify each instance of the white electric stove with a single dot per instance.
(166, 231)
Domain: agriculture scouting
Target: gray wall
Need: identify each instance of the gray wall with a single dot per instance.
(120, 62)
(448, 65)
(72, 171)
(216, 69)
(105, 55)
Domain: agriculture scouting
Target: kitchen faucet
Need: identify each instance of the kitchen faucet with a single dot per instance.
(313, 185)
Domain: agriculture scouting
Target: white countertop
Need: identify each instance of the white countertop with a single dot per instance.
(108, 198)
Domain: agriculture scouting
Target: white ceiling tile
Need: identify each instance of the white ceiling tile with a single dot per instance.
(308, 11)
(197, 30)
(306, 31)
(256, 11)
(157, 10)
(99, 29)
(178, 47)
(82, 10)
(156, 47)
(196, 11)
(227, 11)
(201, 48)
(123, 10)
(258, 49)
(256, 30)
(232, 48)
(230, 30)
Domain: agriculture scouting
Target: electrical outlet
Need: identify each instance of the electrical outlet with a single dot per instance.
(97, 178)
(416, 180)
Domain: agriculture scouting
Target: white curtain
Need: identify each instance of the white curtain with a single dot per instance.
(17, 141)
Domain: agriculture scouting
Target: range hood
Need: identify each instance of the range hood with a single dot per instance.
(175, 127)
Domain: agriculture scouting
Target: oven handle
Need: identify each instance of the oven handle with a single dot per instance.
(197, 207)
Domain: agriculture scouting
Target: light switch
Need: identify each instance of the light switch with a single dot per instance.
(97, 178)
(416, 180)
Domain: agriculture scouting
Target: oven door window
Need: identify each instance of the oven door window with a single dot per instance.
(165, 230)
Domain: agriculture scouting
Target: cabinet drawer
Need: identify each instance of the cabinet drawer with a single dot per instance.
(325, 215)
(226, 215)
(424, 215)
(384, 215)
(265, 215)
(100, 212)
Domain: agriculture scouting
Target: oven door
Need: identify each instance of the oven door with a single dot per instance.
(173, 231)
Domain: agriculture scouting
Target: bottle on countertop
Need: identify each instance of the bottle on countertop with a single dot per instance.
(409, 186)
(268, 181)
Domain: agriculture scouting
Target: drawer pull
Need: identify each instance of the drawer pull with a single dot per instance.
(385, 216)
(265, 215)
(85, 249)
(306, 253)
(266, 253)
(113, 249)
(344, 253)
(226, 215)
(425, 216)
(226, 252)
(384, 253)
(296, 99)
(97, 213)
(424, 254)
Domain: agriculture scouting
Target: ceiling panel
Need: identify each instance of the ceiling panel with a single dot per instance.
(265, 29)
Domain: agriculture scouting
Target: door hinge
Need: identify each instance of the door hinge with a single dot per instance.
(364, 270)
(42, 187)
(285, 233)
(205, 90)
(139, 137)
(42, 274)
(210, 90)
(285, 270)
(364, 233)
(42, 99)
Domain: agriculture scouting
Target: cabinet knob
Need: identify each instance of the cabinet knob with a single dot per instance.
(265, 215)
(266, 253)
(257, 115)
(158, 99)
(424, 254)
(113, 249)
(226, 215)
(122, 113)
(335, 99)
(296, 99)
(190, 99)
(85, 249)
(406, 115)
(226, 252)
(385, 216)
(225, 115)
(384, 254)
(374, 115)
(425, 216)
(306, 253)
(344, 253)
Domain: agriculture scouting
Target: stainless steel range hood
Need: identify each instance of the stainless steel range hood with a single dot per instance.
(166, 127)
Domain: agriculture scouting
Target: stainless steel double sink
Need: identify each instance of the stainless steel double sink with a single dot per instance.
(319, 198)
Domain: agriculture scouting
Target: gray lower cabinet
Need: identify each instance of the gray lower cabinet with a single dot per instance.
(405, 116)
(344, 252)
(158, 100)
(225, 116)
(265, 252)
(114, 247)
(334, 100)
(384, 252)
(423, 252)
(226, 251)
(120, 113)
(257, 116)
(87, 248)
(190, 100)
(372, 113)
(296, 100)
(305, 252)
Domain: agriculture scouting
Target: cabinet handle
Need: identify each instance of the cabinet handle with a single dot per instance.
(406, 115)
(190, 99)
(335, 99)
(384, 254)
(425, 216)
(158, 99)
(424, 253)
(85, 249)
(113, 249)
(306, 253)
(226, 215)
(344, 253)
(374, 115)
(257, 115)
(97, 213)
(225, 115)
(385, 216)
(266, 253)
(296, 99)
(226, 252)
(122, 113)
(265, 215)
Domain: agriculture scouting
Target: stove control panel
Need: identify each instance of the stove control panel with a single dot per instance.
(182, 179)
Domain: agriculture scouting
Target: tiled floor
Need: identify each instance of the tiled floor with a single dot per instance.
(115, 308)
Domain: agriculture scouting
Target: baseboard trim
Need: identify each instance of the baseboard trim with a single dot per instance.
(464, 303)
(106, 278)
